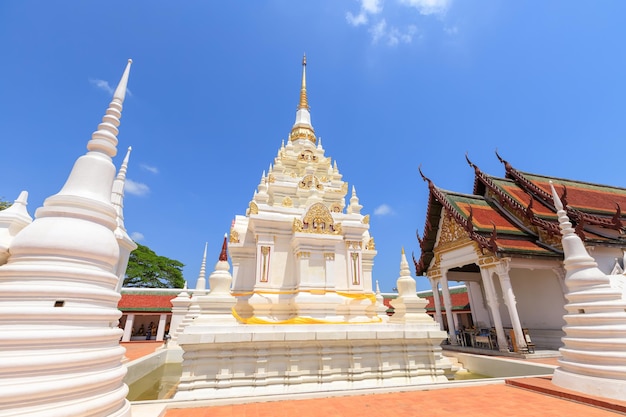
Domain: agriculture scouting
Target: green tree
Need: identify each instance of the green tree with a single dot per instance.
(146, 269)
(4, 204)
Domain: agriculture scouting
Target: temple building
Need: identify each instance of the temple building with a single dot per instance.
(503, 241)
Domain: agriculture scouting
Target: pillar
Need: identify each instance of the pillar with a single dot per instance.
(492, 303)
(448, 306)
(502, 269)
(161, 328)
(128, 328)
(434, 285)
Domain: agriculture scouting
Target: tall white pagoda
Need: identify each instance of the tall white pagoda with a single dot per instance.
(593, 358)
(299, 254)
(59, 278)
(301, 315)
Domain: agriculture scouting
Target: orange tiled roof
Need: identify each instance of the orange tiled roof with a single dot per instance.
(146, 301)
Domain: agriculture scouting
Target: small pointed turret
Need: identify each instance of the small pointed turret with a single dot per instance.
(12, 220)
(126, 244)
(117, 193)
(303, 129)
(224, 253)
(201, 283)
(408, 306)
(354, 207)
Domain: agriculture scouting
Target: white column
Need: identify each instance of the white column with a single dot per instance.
(447, 302)
(470, 297)
(128, 328)
(161, 328)
(434, 285)
(502, 269)
(492, 303)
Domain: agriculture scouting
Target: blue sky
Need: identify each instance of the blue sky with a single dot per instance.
(392, 84)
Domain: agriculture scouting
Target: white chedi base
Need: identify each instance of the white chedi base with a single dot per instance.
(591, 385)
(259, 360)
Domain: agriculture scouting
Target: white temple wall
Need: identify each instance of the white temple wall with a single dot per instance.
(605, 257)
(540, 300)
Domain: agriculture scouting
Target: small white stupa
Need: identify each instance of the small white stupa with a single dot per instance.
(59, 336)
(593, 358)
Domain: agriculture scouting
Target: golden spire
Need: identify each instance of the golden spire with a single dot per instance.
(304, 103)
(302, 129)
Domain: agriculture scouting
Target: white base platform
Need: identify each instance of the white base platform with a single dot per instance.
(259, 360)
(601, 387)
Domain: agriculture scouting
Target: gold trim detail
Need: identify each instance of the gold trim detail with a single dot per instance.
(254, 209)
(234, 236)
(309, 181)
(317, 220)
(371, 245)
(354, 244)
(287, 202)
(366, 219)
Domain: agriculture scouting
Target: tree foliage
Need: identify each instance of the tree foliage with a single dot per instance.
(4, 204)
(146, 269)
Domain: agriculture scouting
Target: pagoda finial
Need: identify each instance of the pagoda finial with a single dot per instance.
(117, 191)
(105, 138)
(304, 103)
(224, 252)
(302, 128)
(201, 283)
(564, 221)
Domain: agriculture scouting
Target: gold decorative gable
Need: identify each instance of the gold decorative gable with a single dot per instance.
(452, 234)
(317, 220)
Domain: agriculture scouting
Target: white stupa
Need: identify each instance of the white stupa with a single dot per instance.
(593, 358)
(302, 316)
(299, 254)
(59, 335)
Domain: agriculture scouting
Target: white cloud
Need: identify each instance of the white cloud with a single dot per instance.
(451, 30)
(104, 86)
(383, 210)
(368, 7)
(400, 29)
(427, 7)
(378, 30)
(393, 35)
(136, 188)
(149, 168)
(137, 236)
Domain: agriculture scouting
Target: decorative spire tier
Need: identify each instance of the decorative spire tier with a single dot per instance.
(60, 339)
(303, 129)
(593, 358)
